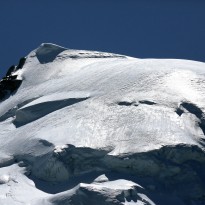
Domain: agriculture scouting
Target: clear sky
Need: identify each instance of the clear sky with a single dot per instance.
(138, 28)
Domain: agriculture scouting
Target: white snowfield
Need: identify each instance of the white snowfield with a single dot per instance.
(94, 128)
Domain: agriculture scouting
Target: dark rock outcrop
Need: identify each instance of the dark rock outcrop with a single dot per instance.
(10, 83)
(10, 70)
(21, 63)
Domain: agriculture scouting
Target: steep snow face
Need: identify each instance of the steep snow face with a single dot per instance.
(81, 112)
(47, 52)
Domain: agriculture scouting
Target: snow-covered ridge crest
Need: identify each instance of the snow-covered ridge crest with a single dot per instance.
(47, 52)
(84, 127)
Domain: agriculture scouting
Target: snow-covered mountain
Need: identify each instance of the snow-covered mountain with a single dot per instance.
(91, 128)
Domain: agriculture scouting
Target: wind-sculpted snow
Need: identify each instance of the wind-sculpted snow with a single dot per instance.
(32, 111)
(87, 127)
(47, 53)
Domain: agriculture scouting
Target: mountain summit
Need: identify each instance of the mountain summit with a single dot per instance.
(87, 127)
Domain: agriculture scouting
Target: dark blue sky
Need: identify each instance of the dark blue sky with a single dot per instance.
(139, 28)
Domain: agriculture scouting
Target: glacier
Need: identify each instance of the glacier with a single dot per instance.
(88, 127)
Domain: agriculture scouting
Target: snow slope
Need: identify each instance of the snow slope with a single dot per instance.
(89, 127)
